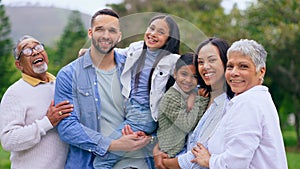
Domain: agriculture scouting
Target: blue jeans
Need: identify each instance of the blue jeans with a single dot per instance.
(139, 118)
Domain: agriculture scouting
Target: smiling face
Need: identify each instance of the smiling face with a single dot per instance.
(210, 66)
(157, 34)
(34, 65)
(186, 78)
(241, 73)
(105, 33)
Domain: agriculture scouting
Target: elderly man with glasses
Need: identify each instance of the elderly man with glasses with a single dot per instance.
(28, 117)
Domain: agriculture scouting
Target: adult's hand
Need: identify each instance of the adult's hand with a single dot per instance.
(58, 112)
(130, 142)
(202, 155)
(158, 157)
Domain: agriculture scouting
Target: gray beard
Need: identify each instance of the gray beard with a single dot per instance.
(40, 69)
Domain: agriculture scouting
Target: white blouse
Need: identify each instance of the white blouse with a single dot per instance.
(249, 134)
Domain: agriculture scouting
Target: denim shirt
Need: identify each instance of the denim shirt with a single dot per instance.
(77, 83)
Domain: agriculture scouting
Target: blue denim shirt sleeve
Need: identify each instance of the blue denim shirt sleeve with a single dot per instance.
(70, 129)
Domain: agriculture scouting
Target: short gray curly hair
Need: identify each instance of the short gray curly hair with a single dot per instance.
(252, 49)
(16, 50)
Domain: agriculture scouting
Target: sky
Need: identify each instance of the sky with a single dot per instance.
(91, 6)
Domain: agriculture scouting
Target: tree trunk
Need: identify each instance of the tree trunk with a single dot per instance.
(297, 120)
(297, 129)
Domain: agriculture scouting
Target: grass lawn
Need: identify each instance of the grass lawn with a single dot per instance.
(4, 159)
(293, 159)
(293, 154)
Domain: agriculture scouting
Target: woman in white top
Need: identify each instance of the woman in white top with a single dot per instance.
(249, 134)
(211, 62)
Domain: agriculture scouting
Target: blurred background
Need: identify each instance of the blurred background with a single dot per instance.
(62, 26)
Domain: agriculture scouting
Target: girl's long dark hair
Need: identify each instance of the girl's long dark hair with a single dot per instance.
(222, 46)
(172, 46)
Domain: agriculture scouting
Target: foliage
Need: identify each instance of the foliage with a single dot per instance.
(52, 68)
(275, 24)
(72, 39)
(193, 17)
(8, 73)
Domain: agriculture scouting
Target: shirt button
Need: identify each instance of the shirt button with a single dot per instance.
(98, 118)
(95, 83)
(86, 94)
(90, 150)
(96, 99)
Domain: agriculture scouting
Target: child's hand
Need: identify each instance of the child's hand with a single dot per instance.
(190, 101)
(158, 157)
(127, 131)
(203, 92)
(82, 51)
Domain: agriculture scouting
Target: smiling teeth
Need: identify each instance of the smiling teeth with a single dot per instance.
(152, 40)
(235, 81)
(208, 74)
(106, 42)
(37, 60)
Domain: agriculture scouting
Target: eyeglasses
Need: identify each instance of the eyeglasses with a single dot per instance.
(29, 51)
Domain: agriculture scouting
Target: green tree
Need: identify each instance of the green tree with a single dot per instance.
(8, 73)
(73, 38)
(275, 24)
(197, 19)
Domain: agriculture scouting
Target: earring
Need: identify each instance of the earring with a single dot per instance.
(261, 79)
